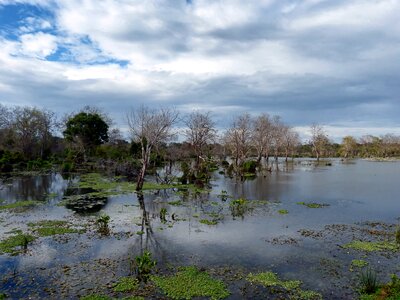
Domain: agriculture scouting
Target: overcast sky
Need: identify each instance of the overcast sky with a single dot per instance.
(336, 63)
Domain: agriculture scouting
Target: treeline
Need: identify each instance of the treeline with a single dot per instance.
(33, 138)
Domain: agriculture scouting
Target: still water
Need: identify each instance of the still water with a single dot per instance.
(353, 196)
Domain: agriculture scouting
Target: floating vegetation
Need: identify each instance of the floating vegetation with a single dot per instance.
(53, 227)
(358, 263)
(372, 246)
(175, 203)
(312, 204)
(397, 235)
(19, 204)
(270, 279)
(283, 211)
(163, 214)
(208, 222)
(15, 244)
(3, 296)
(189, 282)
(224, 195)
(126, 284)
(140, 232)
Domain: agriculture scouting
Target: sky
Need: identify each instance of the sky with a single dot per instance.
(335, 63)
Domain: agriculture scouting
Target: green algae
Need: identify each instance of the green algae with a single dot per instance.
(208, 222)
(16, 243)
(19, 204)
(126, 284)
(283, 211)
(53, 227)
(372, 246)
(189, 282)
(270, 279)
(358, 263)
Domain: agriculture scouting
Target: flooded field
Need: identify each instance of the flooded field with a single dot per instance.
(317, 224)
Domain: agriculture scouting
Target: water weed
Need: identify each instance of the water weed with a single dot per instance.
(189, 282)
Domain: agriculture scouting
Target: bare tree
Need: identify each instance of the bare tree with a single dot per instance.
(200, 132)
(278, 129)
(319, 140)
(262, 133)
(238, 138)
(290, 140)
(150, 128)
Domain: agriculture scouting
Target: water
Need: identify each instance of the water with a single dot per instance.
(261, 240)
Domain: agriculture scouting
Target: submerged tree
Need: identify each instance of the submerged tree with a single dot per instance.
(200, 132)
(348, 147)
(238, 138)
(150, 128)
(262, 133)
(319, 140)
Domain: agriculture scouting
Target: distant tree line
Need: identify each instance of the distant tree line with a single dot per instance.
(33, 138)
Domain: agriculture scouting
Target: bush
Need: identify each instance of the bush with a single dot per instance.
(249, 166)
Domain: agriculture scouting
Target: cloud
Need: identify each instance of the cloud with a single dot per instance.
(332, 62)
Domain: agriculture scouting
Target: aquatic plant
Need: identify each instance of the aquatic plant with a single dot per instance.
(368, 281)
(372, 246)
(19, 204)
(312, 204)
(126, 284)
(144, 265)
(163, 213)
(53, 227)
(15, 244)
(189, 282)
(283, 211)
(3, 296)
(208, 222)
(102, 222)
(358, 263)
(397, 235)
(239, 207)
(389, 291)
(175, 203)
(224, 195)
(270, 279)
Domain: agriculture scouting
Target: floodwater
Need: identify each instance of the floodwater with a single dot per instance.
(357, 197)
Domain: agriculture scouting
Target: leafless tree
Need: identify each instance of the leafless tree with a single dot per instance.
(238, 138)
(200, 132)
(278, 129)
(150, 128)
(262, 133)
(290, 140)
(319, 140)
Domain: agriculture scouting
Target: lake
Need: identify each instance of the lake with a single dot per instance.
(294, 222)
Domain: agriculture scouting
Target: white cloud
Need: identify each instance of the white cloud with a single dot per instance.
(38, 45)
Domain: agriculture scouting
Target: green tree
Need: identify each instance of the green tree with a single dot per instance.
(86, 130)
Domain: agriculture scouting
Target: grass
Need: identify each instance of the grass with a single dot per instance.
(175, 203)
(12, 243)
(208, 222)
(270, 279)
(126, 284)
(283, 211)
(103, 297)
(189, 282)
(389, 291)
(372, 246)
(19, 204)
(312, 204)
(53, 227)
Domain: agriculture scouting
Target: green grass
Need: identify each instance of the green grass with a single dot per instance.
(312, 204)
(126, 284)
(389, 291)
(10, 244)
(189, 282)
(372, 246)
(19, 204)
(270, 279)
(95, 297)
(175, 203)
(208, 222)
(283, 211)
